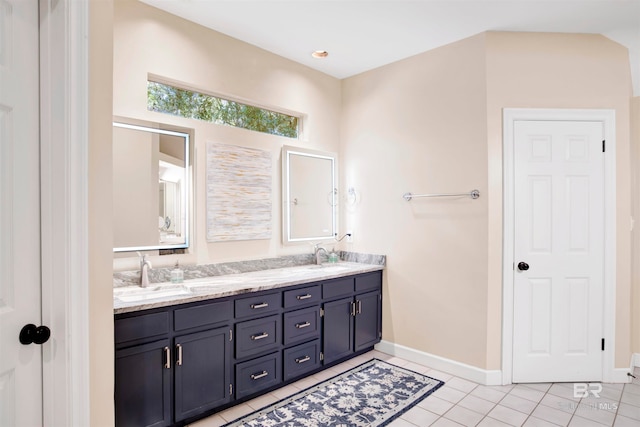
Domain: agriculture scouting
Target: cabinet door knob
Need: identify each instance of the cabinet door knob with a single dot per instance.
(179, 351)
(167, 358)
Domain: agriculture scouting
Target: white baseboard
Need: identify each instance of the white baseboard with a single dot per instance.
(473, 373)
(462, 370)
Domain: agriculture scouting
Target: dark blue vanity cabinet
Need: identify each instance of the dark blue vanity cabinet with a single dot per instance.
(301, 331)
(352, 315)
(179, 363)
(172, 363)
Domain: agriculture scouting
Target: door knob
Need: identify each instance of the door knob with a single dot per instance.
(34, 334)
(523, 266)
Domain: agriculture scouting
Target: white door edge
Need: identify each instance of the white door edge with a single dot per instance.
(607, 117)
(64, 177)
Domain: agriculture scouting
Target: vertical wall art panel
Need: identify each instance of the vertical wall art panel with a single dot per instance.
(238, 193)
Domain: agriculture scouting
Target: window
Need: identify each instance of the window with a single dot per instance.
(168, 99)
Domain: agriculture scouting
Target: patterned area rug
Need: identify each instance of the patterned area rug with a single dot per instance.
(372, 394)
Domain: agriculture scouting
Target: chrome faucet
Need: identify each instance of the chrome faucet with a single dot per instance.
(317, 250)
(144, 270)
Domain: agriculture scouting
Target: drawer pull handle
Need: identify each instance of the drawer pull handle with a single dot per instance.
(304, 359)
(359, 311)
(167, 358)
(261, 305)
(302, 297)
(259, 337)
(260, 375)
(302, 325)
(179, 361)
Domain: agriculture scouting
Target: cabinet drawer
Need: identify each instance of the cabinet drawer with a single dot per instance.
(257, 336)
(302, 297)
(369, 282)
(257, 374)
(257, 305)
(138, 327)
(337, 288)
(301, 324)
(201, 315)
(301, 359)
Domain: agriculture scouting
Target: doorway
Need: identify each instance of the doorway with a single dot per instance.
(44, 174)
(559, 245)
(20, 268)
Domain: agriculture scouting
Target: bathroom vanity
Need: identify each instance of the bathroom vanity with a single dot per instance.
(215, 342)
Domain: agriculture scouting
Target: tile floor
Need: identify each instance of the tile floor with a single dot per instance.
(464, 403)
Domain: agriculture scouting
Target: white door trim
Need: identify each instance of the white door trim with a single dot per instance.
(64, 93)
(607, 117)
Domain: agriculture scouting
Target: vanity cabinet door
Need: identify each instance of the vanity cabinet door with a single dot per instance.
(202, 370)
(143, 385)
(337, 334)
(367, 320)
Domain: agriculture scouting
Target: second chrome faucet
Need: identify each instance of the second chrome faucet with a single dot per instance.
(144, 270)
(317, 252)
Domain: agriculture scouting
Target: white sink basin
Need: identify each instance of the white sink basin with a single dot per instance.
(325, 268)
(334, 268)
(151, 293)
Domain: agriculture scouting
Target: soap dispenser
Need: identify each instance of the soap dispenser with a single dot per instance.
(177, 275)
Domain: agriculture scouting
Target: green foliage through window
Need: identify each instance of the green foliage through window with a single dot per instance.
(167, 99)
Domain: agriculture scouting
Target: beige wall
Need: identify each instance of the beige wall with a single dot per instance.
(135, 192)
(433, 123)
(531, 70)
(149, 41)
(100, 242)
(419, 125)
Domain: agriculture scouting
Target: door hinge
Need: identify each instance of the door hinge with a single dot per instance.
(602, 344)
(230, 389)
(230, 334)
(603, 145)
(322, 312)
(321, 356)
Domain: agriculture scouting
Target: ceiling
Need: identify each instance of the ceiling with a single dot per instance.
(364, 34)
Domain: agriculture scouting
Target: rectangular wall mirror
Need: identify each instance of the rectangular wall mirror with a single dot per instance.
(309, 195)
(151, 187)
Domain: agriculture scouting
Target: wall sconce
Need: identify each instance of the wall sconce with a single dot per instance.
(352, 196)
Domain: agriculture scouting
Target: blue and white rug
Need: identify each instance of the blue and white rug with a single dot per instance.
(372, 394)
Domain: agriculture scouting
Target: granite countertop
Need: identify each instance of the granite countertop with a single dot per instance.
(134, 298)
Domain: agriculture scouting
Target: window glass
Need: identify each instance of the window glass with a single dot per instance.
(168, 99)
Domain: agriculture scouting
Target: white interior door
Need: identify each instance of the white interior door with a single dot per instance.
(20, 291)
(559, 234)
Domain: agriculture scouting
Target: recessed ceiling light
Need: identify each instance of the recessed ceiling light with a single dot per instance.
(320, 54)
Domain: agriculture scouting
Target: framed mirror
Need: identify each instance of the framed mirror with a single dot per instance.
(309, 195)
(151, 187)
